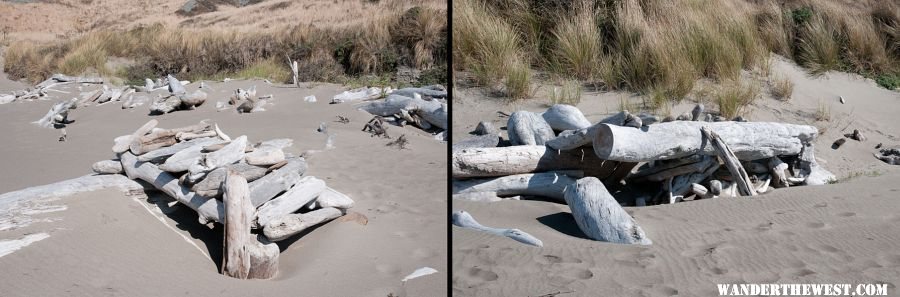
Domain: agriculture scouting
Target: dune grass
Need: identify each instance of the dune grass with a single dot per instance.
(569, 92)
(660, 48)
(414, 38)
(733, 97)
(782, 88)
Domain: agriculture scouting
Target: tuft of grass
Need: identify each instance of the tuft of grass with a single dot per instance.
(579, 44)
(518, 82)
(823, 112)
(889, 81)
(266, 69)
(782, 88)
(819, 49)
(569, 92)
(490, 47)
(733, 97)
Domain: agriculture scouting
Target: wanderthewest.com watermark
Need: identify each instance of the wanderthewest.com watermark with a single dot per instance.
(802, 289)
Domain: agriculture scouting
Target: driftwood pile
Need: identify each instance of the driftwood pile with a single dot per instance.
(178, 98)
(425, 108)
(244, 186)
(560, 155)
(41, 89)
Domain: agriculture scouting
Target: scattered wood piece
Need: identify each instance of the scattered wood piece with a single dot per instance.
(332, 198)
(500, 161)
(265, 156)
(838, 143)
(778, 170)
(465, 220)
(58, 114)
(856, 135)
(107, 167)
(599, 215)
(376, 127)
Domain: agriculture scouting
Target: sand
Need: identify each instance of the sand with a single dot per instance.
(106, 243)
(839, 233)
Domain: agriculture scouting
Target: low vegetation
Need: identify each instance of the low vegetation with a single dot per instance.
(782, 88)
(569, 92)
(414, 38)
(823, 112)
(660, 48)
(733, 97)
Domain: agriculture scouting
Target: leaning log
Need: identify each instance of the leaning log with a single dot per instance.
(501, 161)
(599, 216)
(528, 128)
(285, 226)
(563, 117)
(207, 209)
(465, 220)
(302, 193)
(748, 140)
(238, 215)
(548, 184)
(738, 174)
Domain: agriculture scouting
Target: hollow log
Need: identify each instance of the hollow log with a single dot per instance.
(739, 175)
(211, 184)
(333, 198)
(285, 226)
(465, 220)
(528, 128)
(207, 209)
(265, 188)
(563, 117)
(599, 216)
(748, 140)
(107, 167)
(500, 161)
(548, 184)
(478, 141)
(303, 192)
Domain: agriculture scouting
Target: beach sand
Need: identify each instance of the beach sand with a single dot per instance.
(837, 233)
(106, 243)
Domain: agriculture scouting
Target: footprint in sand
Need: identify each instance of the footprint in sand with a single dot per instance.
(820, 205)
(829, 248)
(388, 269)
(846, 214)
(795, 273)
(553, 259)
(482, 275)
(890, 260)
(422, 254)
(582, 274)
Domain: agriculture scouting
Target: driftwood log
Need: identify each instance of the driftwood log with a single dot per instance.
(210, 186)
(244, 256)
(285, 226)
(107, 167)
(302, 193)
(332, 198)
(599, 215)
(465, 220)
(748, 140)
(208, 210)
(280, 180)
(501, 161)
(547, 184)
(528, 128)
(562, 117)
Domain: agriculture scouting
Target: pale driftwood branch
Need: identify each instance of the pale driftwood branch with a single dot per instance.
(680, 170)
(302, 193)
(748, 140)
(160, 155)
(410, 92)
(549, 184)
(465, 220)
(265, 155)
(231, 153)
(358, 95)
(528, 128)
(739, 175)
(332, 198)
(599, 215)
(562, 117)
(207, 209)
(285, 226)
(500, 161)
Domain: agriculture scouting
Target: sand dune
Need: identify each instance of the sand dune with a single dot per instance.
(106, 243)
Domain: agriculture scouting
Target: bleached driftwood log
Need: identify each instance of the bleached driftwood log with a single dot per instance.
(465, 220)
(572, 139)
(230, 154)
(69, 187)
(194, 99)
(814, 173)
(478, 141)
(265, 188)
(547, 184)
(483, 197)
(563, 117)
(183, 159)
(778, 170)
(285, 226)
(107, 167)
(410, 92)
(432, 111)
(207, 209)
(599, 215)
(358, 94)
(748, 140)
(210, 186)
(165, 105)
(295, 69)
(332, 198)
(302, 193)
(265, 155)
(528, 128)
(175, 86)
(738, 174)
(244, 256)
(122, 144)
(500, 161)
(76, 79)
(58, 114)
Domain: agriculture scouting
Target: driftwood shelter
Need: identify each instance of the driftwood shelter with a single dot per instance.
(630, 160)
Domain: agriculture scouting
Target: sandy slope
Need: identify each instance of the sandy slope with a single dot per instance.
(108, 244)
(844, 233)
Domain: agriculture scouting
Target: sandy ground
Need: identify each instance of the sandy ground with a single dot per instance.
(106, 243)
(840, 233)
